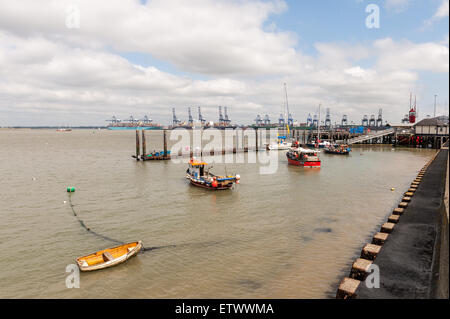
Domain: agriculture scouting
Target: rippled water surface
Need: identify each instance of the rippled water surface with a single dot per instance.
(292, 234)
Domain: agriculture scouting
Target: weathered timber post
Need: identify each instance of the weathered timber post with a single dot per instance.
(256, 134)
(137, 145)
(144, 146)
(165, 144)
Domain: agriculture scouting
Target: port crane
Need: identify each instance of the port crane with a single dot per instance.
(328, 118)
(190, 119)
(226, 120)
(344, 121)
(114, 120)
(258, 120)
(315, 121)
(290, 120)
(175, 120)
(380, 118)
(220, 116)
(131, 119)
(309, 120)
(365, 121)
(267, 120)
(200, 116)
(372, 121)
(146, 120)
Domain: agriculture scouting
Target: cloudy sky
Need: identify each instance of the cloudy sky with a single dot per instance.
(79, 62)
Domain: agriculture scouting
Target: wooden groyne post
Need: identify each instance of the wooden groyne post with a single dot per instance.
(137, 146)
(144, 145)
(165, 144)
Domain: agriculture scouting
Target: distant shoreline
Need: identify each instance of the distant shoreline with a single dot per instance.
(53, 127)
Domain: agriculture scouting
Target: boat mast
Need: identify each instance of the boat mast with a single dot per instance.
(286, 111)
(318, 127)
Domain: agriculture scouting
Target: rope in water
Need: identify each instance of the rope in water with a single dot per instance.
(144, 249)
(87, 228)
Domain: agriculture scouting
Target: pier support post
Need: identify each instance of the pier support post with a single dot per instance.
(137, 146)
(165, 143)
(144, 145)
(256, 135)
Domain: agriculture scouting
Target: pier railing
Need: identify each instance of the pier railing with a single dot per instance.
(371, 136)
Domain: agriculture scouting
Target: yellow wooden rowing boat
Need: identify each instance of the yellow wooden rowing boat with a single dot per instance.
(109, 257)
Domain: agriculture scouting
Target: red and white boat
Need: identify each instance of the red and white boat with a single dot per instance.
(299, 156)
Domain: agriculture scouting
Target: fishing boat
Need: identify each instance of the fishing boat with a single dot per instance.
(199, 175)
(299, 156)
(338, 149)
(109, 257)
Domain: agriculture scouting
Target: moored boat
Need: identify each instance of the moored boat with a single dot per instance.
(109, 257)
(338, 150)
(201, 177)
(323, 144)
(299, 156)
(280, 145)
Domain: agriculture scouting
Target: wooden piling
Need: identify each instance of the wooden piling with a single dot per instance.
(144, 145)
(165, 143)
(137, 146)
(256, 135)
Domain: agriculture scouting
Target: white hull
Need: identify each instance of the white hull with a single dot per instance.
(280, 147)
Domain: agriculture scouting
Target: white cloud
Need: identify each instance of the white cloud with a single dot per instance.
(441, 13)
(53, 75)
(397, 5)
(202, 36)
(410, 56)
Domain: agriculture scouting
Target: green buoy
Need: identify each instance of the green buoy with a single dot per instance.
(70, 189)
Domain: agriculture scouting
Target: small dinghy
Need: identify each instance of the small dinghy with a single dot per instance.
(109, 257)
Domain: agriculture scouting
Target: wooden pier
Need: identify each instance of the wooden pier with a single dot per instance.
(166, 155)
(156, 156)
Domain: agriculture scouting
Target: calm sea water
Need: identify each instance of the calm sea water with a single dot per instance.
(292, 234)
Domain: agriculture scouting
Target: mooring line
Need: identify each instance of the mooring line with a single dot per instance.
(87, 228)
(144, 249)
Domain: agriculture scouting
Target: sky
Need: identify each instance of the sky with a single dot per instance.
(80, 62)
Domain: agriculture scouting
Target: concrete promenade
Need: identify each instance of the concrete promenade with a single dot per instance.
(413, 262)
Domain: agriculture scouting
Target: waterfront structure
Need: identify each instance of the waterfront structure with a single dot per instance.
(434, 130)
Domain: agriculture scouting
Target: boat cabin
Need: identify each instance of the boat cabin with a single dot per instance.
(196, 169)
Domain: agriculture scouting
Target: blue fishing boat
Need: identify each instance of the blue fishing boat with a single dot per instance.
(199, 176)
